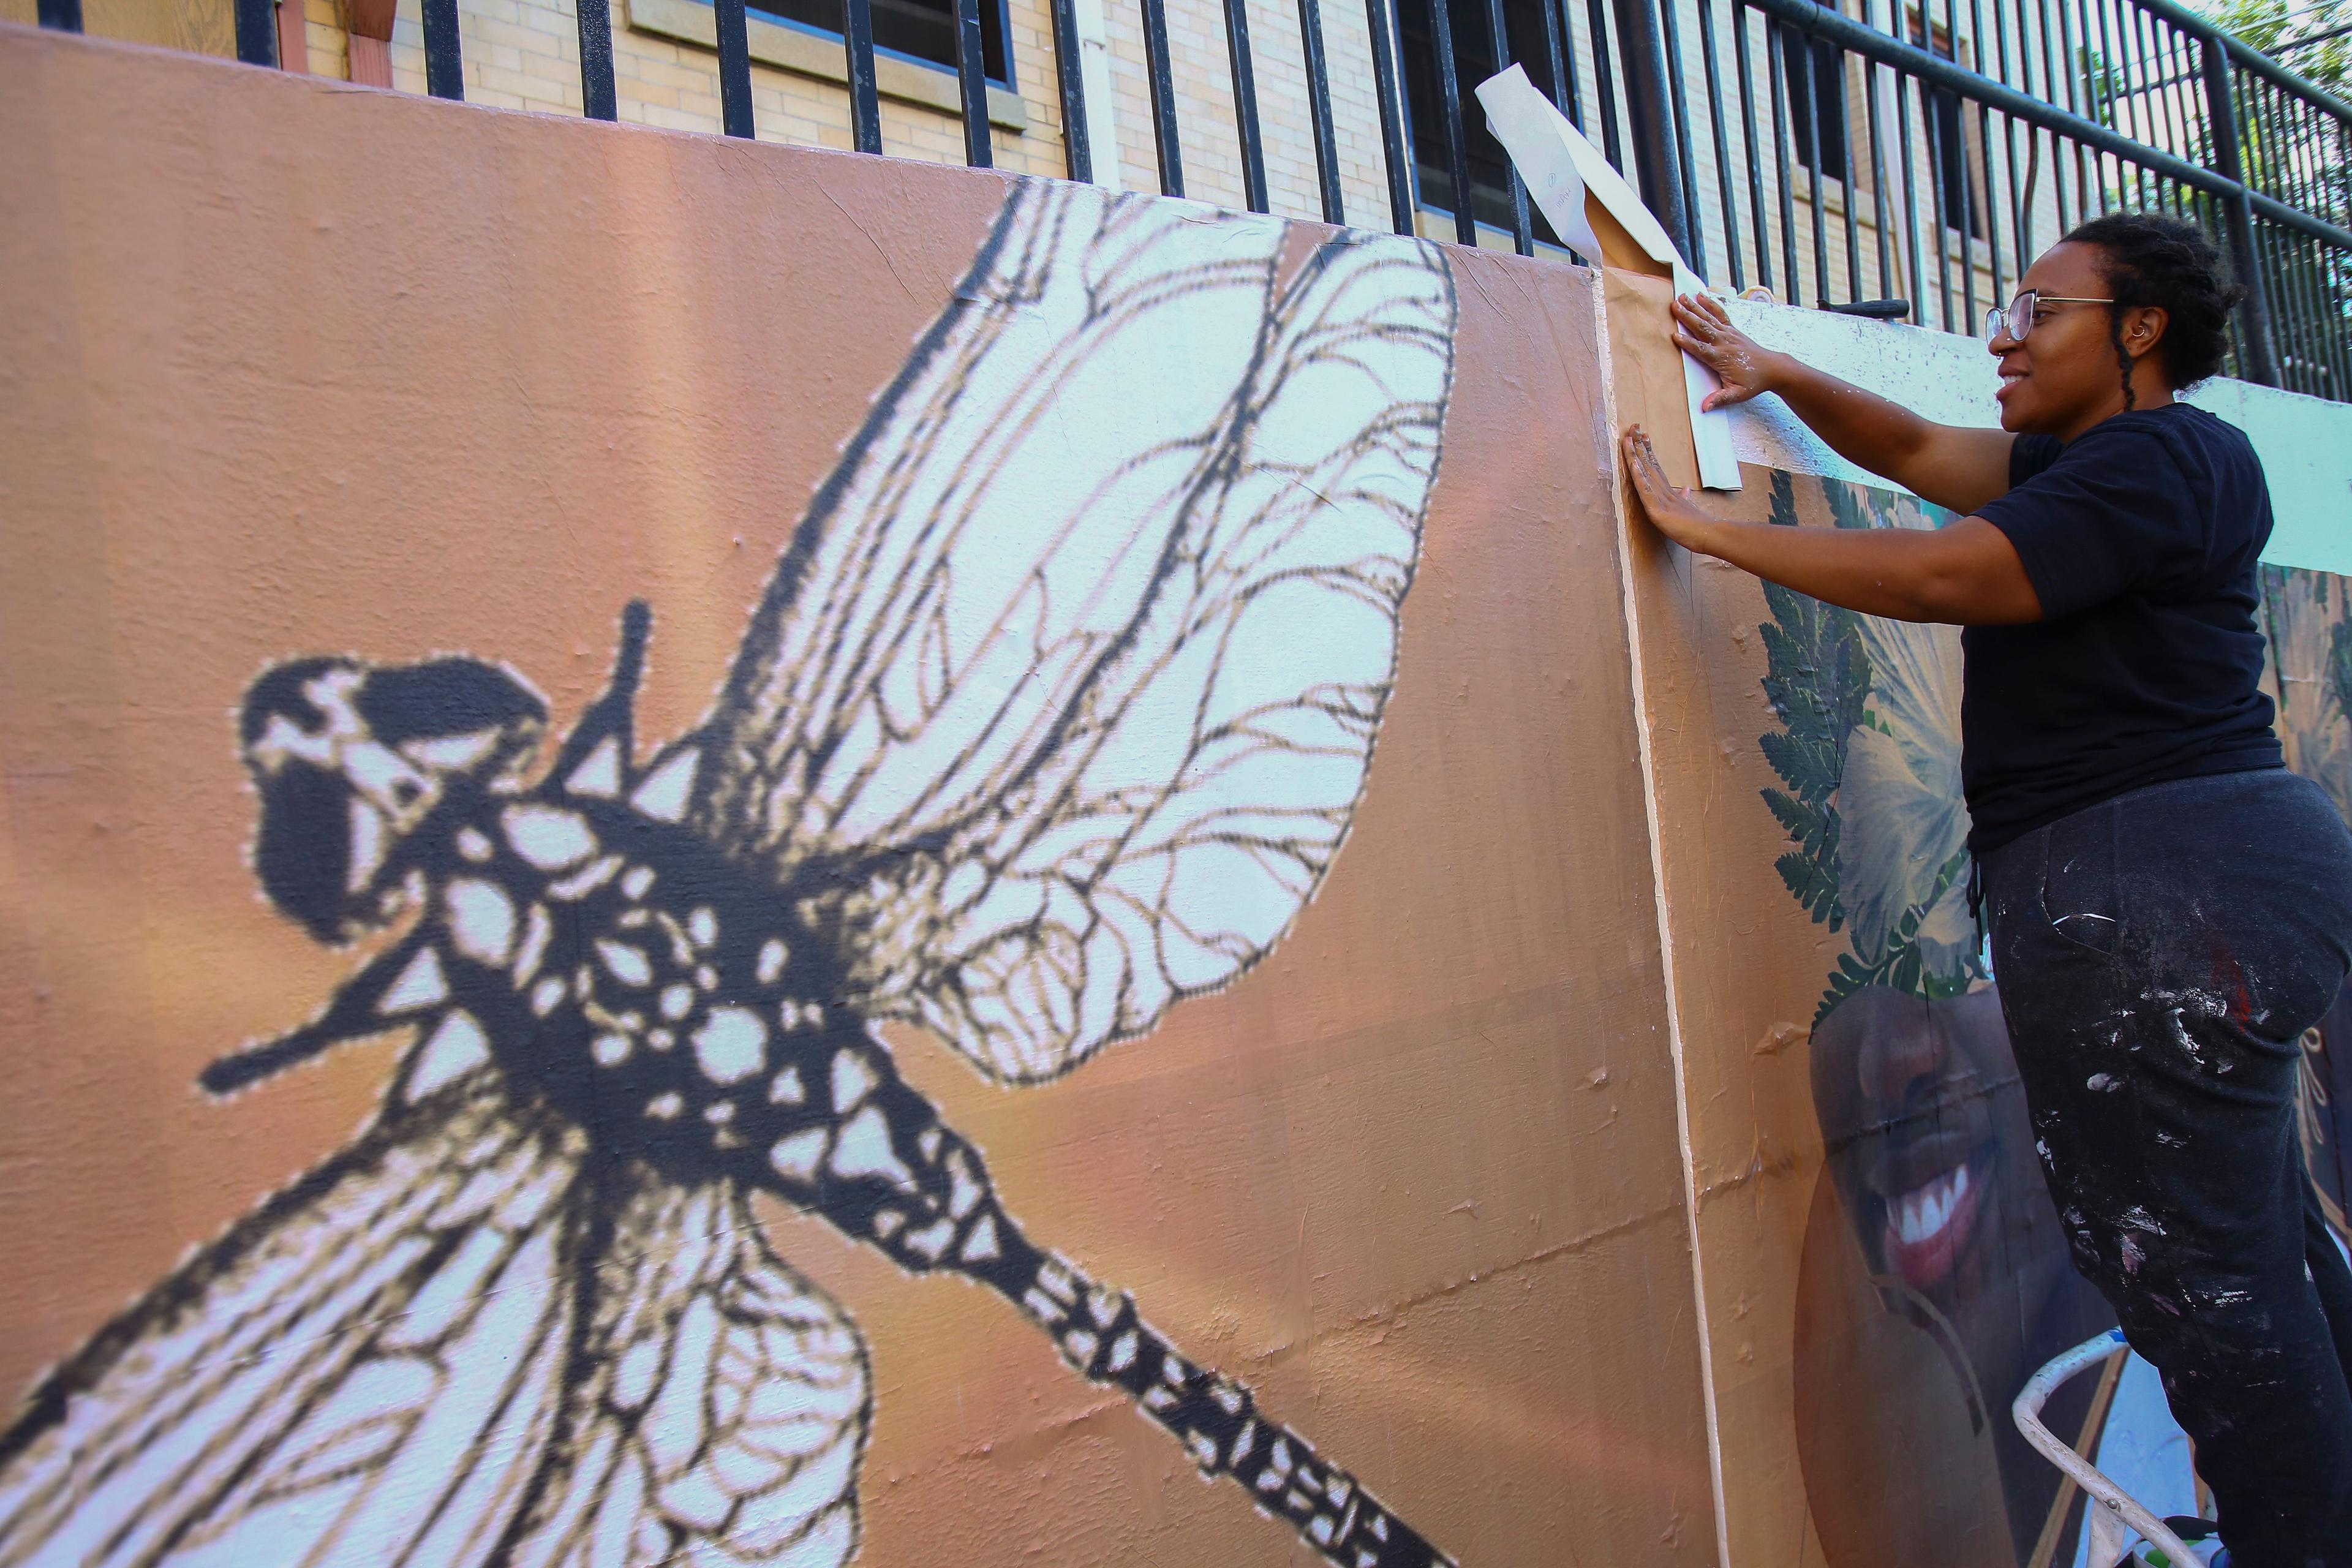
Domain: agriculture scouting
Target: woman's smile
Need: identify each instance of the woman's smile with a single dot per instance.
(1928, 1228)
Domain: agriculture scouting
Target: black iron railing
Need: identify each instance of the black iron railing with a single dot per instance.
(1899, 156)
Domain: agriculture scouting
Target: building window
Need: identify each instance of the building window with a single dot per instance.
(1944, 114)
(1812, 72)
(923, 30)
(1947, 129)
(1474, 61)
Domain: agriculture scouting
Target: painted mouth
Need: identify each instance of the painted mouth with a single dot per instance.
(1927, 1228)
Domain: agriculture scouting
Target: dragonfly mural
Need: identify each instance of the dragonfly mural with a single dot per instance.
(1054, 712)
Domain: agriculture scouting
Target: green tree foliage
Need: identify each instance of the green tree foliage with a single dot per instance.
(2310, 37)
(2300, 157)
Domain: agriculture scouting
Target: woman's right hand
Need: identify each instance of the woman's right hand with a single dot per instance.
(1746, 367)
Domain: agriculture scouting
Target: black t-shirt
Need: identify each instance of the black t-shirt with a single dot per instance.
(2141, 537)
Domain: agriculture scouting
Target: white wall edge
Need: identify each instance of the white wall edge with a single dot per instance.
(2306, 444)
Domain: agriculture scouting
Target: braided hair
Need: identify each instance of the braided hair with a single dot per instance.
(2151, 259)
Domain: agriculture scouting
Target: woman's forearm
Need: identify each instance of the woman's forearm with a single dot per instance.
(1951, 465)
(1860, 427)
(1967, 573)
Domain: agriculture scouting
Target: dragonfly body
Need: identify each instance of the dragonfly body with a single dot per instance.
(621, 969)
(666, 1002)
(673, 1004)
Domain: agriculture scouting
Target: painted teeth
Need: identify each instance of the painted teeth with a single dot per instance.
(1924, 1212)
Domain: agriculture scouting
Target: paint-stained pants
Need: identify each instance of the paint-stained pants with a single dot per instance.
(2160, 957)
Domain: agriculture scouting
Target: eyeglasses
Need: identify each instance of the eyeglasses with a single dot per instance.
(2017, 317)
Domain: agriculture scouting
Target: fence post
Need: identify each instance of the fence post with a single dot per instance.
(1643, 55)
(2238, 214)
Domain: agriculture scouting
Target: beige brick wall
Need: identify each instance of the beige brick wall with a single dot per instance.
(1208, 140)
(524, 54)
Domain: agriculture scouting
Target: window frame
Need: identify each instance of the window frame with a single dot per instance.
(800, 49)
(1474, 123)
(1001, 9)
(1843, 117)
(1928, 35)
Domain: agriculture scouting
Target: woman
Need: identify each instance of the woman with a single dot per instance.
(2169, 908)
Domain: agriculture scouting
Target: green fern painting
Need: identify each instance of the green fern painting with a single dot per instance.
(1868, 753)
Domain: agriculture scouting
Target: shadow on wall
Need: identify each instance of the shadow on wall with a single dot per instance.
(1935, 1279)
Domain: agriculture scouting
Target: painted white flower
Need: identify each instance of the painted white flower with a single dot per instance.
(1899, 799)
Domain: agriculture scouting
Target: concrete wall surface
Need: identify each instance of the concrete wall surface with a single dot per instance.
(722, 853)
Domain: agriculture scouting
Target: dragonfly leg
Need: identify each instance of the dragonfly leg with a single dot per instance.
(359, 1009)
(610, 716)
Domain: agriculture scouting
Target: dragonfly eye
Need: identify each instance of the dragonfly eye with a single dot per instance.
(450, 714)
(350, 760)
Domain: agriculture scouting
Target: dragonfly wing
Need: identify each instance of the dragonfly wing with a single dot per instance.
(724, 1410)
(1202, 780)
(1068, 689)
(979, 547)
(365, 1371)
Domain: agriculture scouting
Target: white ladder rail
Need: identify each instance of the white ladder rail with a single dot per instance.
(2113, 1514)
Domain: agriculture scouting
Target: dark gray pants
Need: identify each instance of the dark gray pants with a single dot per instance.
(2160, 957)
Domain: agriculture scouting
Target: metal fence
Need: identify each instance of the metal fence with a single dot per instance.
(1899, 157)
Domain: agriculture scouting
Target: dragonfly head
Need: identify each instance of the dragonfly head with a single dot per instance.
(350, 760)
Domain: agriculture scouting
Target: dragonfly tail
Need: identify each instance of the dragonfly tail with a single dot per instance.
(941, 1213)
(1215, 1419)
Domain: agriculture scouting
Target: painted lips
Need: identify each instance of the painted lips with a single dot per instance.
(1927, 1227)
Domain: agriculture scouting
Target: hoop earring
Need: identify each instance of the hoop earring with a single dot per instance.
(2123, 355)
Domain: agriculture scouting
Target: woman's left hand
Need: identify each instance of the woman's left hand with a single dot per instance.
(1668, 506)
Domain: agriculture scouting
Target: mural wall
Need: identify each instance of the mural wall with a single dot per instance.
(742, 856)
(723, 853)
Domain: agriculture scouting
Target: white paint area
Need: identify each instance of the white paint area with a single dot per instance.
(481, 920)
(548, 836)
(421, 985)
(455, 1050)
(731, 1044)
(600, 775)
(864, 1150)
(2142, 1451)
(852, 1080)
(2306, 444)
(796, 1158)
(627, 964)
(663, 795)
